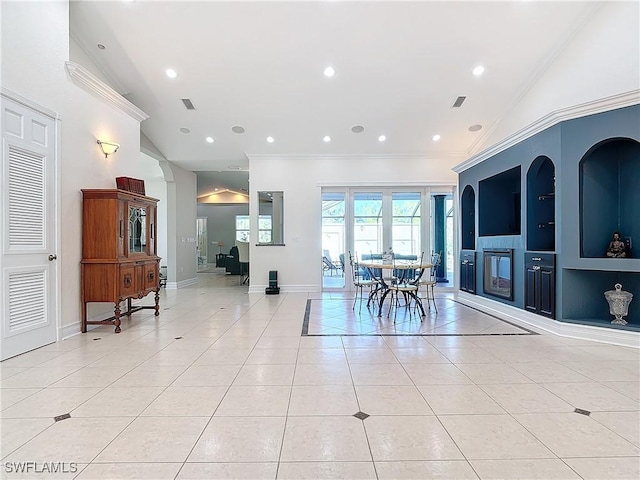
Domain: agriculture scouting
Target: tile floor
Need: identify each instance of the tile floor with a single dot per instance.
(223, 385)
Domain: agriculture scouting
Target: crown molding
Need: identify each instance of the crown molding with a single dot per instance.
(93, 84)
(612, 102)
(347, 157)
(394, 183)
(539, 71)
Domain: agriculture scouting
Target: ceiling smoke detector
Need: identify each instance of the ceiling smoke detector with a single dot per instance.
(237, 129)
(357, 129)
(185, 130)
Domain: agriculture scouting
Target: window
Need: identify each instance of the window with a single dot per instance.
(367, 223)
(264, 228)
(405, 224)
(242, 228)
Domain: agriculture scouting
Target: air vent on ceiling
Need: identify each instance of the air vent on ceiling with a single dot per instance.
(459, 101)
(188, 104)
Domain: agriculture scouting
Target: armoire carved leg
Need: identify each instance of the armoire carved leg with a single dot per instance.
(157, 312)
(116, 321)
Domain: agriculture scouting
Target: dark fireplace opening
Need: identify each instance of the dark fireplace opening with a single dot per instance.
(498, 273)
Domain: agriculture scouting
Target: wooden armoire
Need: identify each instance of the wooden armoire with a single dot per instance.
(119, 246)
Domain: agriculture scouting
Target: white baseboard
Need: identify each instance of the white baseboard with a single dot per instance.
(182, 283)
(287, 288)
(68, 331)
(516, 315)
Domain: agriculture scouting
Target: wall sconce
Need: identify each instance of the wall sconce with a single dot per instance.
(108, 148)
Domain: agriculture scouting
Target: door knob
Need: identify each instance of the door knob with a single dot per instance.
(52, 257)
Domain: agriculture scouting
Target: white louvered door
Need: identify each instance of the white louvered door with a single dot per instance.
(29, 290)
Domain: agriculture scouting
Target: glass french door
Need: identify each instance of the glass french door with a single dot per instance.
(333, 240)
(387, 220)
(366, 221)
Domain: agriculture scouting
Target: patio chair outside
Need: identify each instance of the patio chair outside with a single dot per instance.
(328, 264)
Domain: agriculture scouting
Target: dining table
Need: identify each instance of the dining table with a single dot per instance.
(377, 270)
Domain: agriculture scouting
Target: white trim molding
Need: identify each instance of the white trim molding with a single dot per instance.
(589, 108)
(394, 183)
(347, 157)
(182, 283)
(11, 95)
(94, 85)
(287, 289)
(70, 330)
(624, 338)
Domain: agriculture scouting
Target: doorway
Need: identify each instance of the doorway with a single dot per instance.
(201, 242)
(333, 240)
(366, 221)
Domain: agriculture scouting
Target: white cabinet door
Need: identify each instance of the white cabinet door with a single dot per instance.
(29, 266)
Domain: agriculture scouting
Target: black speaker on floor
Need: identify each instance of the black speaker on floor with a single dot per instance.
(273, 288)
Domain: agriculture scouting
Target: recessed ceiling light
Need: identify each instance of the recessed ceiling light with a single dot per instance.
(185, 130)
(271, 139)
(101, 46)
(479, 70)
(326, 139)
(382, 138)
(237, 129)
(357, 129)
(475, 128)
(171, 73)
(435, 138)
(215, 189)
(209, 139)
(329, 72)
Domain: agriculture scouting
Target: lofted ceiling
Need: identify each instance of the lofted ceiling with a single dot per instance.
(399, 68)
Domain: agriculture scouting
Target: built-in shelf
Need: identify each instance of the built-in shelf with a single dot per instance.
(499, 204)
(609, 195)
(541, 197)
(592, 164)
(468, 218)
(584, 301)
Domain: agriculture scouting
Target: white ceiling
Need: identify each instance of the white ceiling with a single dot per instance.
(399, 68)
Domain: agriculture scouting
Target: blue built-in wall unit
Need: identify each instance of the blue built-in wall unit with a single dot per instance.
(552, 203)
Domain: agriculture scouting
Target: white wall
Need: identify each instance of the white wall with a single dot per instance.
(35, 47)
(157, 188)
(601, 60)
(181, 219)
(301, 178)
(221, 225)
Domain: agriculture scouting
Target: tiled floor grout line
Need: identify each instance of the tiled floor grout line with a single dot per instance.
(364, 427)
(507, 357)
(221, 399)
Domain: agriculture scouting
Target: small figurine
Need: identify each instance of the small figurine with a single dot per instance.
(617, 248)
